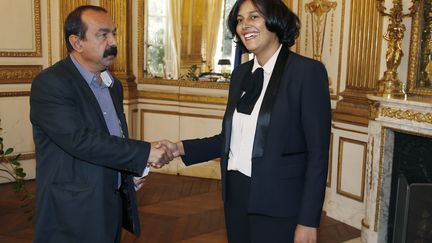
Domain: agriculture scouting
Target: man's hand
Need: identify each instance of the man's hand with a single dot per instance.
(159, 155)
(305, 234)
(175, 148)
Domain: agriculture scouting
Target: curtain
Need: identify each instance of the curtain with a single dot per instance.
(174, 30)
(214, 11)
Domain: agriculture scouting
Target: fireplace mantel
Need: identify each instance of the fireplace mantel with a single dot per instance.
(411, 115)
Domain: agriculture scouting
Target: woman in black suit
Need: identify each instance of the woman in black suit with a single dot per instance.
(275, 135)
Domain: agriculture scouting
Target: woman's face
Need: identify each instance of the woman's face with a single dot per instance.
(252, 30)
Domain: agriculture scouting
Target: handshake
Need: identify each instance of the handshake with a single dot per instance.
(162, 152)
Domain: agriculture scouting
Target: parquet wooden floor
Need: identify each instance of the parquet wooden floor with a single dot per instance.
(172, 209)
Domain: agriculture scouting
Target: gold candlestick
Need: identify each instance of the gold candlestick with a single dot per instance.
(390, 84)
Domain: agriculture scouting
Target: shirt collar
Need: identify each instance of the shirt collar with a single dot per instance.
(90, 77)
(268, 67)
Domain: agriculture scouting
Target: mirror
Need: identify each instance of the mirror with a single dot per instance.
(420, 56)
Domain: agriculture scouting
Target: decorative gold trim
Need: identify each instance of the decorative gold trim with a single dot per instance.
(364, 45)
(49, 32)
(118, 10)
(15, 94)
(38, 38)
(348, 130)
(372, 162)
(183, 97)
(406, 115)
(339, 190)
(379, 184)
(413, 58)
(18, 74)
(330, 162)
(140, 37)
(299, 14)
(319, 10)
(333, 95)
(187, 83)
(342, 26)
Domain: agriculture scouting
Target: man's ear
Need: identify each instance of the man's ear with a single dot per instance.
(75, 42)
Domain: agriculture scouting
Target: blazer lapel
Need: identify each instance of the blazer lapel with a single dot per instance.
(264, 115)
(78, 78)
(232, 103)
(115, 96)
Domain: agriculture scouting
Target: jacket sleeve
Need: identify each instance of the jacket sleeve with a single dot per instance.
(202, 149)
(316, 121)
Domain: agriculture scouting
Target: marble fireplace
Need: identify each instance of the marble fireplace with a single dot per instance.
(388, 116)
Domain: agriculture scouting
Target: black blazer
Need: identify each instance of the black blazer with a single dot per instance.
(77, 161)
(291, 145)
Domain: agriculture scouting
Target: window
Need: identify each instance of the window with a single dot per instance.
(156, 38)
(226, 44)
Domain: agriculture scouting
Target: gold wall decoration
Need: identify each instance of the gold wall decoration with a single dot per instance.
(15, 94)
(339, 190)
(37, 38)
(420, 55)
(65, 8)
(318, 10)
(188, 83)
(322, 36)
(363, 62)
(390, 84)
(140, 34)
(120, 12)
(18, 74)
(409, 115)
(183, 97)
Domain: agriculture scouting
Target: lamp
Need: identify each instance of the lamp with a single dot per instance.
(225, 65)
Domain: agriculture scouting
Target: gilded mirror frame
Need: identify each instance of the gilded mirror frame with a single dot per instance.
(417, 26)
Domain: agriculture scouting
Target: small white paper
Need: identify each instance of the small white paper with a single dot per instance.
(146, 171)
(106, 78)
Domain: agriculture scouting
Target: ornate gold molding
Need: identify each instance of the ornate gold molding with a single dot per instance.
(15, 94)
(38, 37)
(140, 38)
(330, 162)
(183, 97)
(406, 115)
(413, 60)
(319, 10)
(188, 83)
(18, 74)
(380, 181)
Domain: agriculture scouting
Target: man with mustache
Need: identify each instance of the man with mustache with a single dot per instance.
(85, 162)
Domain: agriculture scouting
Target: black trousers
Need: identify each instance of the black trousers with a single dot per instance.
(243, 226)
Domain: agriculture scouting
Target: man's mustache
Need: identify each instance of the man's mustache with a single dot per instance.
(112, 51)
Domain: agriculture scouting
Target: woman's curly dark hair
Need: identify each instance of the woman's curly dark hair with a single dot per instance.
(279, 19)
